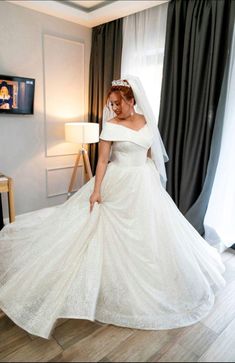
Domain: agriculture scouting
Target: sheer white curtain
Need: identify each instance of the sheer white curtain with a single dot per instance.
(219, 220)
(143, 50)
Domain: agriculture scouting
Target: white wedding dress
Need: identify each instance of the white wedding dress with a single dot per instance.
(134, 261)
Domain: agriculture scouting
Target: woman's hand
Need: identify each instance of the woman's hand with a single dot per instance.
(95, 197)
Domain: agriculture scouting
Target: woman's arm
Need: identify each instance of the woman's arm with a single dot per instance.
(104, 152)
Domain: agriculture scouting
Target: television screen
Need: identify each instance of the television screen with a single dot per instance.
(16, 95)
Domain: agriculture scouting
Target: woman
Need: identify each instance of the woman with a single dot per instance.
(119, 251)
(5, 98)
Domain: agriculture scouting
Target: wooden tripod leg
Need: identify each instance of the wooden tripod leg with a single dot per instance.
(87, 166)
(11, 201)
(75, 169)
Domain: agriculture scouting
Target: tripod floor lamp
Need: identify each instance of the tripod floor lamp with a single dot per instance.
(81, 133)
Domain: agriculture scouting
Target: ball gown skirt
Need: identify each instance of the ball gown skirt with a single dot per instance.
(134, 261)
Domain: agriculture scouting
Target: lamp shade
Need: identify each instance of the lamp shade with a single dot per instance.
(81, 132)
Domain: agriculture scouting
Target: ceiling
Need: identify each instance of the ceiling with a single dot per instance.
(87, 5)
(88, 13)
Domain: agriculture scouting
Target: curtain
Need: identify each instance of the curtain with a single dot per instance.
(143, 50)
(105, 65)
(196, 213)
(219, 220)
(194, 63)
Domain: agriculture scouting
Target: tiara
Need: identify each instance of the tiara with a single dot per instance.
(120, 82)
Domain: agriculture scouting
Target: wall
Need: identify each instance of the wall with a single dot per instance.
(32, 149)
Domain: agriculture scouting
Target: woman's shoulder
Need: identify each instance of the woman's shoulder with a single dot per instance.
(112, 121)
(139, 116)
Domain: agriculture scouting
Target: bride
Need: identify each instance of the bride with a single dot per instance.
(118, 251)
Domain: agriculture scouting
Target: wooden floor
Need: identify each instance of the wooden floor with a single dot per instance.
(210, 340)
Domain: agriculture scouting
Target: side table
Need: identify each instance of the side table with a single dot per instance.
(6, 186)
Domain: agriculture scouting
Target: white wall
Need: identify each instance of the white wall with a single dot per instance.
(40, 177)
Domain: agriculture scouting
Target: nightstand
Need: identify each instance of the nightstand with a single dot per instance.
(6, 186)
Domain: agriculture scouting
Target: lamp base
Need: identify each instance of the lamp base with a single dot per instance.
(87, 167)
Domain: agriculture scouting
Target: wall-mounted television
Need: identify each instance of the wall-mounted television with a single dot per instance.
(16, 95)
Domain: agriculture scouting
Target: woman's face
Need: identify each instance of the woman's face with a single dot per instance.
(121, 107)
(4, 91)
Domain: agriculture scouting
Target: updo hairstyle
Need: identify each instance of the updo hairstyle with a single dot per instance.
(125, 92)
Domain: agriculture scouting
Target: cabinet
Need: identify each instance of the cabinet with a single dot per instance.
(6, 186)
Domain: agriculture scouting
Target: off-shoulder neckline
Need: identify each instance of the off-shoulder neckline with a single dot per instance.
(128, 128)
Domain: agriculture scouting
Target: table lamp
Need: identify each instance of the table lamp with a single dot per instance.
(81, 133)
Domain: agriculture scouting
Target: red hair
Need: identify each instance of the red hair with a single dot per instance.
(125, 92)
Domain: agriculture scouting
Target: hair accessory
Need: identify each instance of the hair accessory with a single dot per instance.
(3, 84)
(120, 82)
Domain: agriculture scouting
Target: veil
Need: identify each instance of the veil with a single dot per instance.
(158, 152)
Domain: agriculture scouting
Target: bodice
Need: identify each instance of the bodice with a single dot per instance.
(129, 147)
(128, 153)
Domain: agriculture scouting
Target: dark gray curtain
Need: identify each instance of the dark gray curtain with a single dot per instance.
(105, 65)
(197, 212)
(194, 63)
